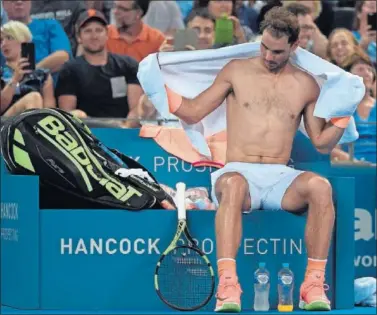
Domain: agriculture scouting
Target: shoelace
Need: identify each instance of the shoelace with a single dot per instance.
(229, 285)
(320, 285)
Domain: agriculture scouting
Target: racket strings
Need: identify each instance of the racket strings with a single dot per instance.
(185, 278)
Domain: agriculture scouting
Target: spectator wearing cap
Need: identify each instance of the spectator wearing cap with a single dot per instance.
(52, 47)
(98, 83)
(105, 6)
(131, 36)
(64, 11)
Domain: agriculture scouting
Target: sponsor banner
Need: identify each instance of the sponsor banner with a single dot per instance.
(19, 217)
(118, 250)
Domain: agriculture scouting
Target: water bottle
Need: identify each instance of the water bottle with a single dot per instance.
(285, 289)
(261, 288)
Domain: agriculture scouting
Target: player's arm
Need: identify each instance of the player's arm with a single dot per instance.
(324, 136)
(194, 110)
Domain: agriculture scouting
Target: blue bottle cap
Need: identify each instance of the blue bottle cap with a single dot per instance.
(285, 265)
(262, 264)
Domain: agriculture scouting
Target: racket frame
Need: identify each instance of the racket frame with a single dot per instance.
(183, 229)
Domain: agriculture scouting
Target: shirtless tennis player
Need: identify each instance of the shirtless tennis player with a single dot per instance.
(266, 98)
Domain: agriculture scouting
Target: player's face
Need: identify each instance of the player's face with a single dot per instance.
(275, 52)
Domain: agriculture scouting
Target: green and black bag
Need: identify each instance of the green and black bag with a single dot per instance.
(62, 151)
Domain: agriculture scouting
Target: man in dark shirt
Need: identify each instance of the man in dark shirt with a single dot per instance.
(99, 83)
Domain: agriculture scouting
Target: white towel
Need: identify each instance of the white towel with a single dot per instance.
(190, 72)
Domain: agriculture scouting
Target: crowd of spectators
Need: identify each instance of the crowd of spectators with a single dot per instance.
(87, 52)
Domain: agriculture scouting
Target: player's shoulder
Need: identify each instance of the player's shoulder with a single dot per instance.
(306, 80)
(237, 65)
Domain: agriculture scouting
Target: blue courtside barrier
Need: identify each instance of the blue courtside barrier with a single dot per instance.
(105, 259)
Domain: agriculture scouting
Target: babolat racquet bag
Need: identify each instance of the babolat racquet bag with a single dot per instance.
(62, 151)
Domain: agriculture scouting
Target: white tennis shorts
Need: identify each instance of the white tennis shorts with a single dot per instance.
(267, 182)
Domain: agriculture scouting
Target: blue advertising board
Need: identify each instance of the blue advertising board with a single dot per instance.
(105, 259)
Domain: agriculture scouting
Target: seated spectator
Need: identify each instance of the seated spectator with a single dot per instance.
(66, 12)
(130, 36)
(322, 13)
(247, 16)
(52, 47)
(310, 37)
(204, 24)
(257, 5)
(21, 89)
(164, 16)
(217, 9)
(342, 48)
(365, 117)
(362, 32)
(98, 83)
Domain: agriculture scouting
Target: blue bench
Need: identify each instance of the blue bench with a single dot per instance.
(55, 259)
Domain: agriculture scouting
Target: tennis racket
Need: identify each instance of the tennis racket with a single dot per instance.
(184, 278)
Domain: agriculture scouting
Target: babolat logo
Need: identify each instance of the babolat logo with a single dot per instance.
(54, 131)
(21, 156)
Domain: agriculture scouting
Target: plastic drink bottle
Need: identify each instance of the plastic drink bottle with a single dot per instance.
(261, 288)
(285, 289)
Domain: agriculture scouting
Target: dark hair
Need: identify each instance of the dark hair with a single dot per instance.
(298, 9)
(143, 5)
(280, 22)
(199, 12)
(204, 4)
(362, 60)
(356, 20)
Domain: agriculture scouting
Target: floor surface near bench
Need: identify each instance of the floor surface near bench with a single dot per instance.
(356, 310)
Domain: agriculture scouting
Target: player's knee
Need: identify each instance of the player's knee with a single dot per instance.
(231, 181)
(231, 187)
(319, 189)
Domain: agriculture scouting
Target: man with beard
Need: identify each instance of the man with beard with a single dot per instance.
(98, 83)
(266, 97)
(130, 36)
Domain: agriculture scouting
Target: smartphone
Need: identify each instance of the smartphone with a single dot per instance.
(223, 31)
(28, 52)
(372, 21)
(186, 37)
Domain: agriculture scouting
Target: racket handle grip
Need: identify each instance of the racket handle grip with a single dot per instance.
(180, 199)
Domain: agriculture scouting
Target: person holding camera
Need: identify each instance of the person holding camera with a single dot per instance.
(364, 28)
(22, 87)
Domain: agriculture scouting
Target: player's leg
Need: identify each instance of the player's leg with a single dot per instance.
(232, 193)
(315, 192)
